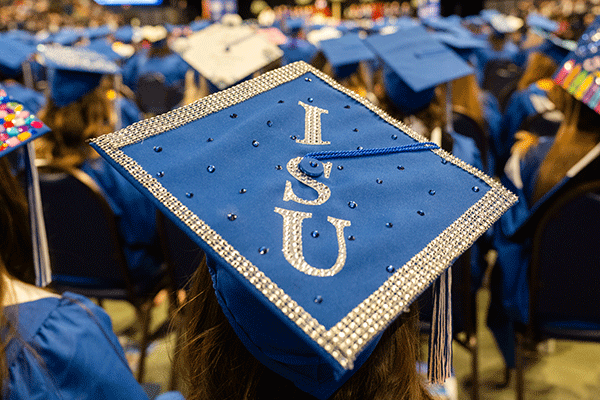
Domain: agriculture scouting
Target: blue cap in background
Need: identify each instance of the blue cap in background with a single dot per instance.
(414, 64)
(345, 53)
(74, 71)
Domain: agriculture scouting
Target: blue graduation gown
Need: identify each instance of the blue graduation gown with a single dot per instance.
(136, 218)
(521, 105)
(482, 56)
(509, 303)
(79, 355)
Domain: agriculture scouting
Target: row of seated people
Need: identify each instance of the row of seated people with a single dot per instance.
(67, 145)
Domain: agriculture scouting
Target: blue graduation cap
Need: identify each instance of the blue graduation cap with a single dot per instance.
(20, 36)
(97, 32)
(345, 53)
(18, 127)
(32, 100)
(502, 24)
(414, 64)
(541, 23)
(124, 34)
(309, 260)
(297, 49)
(292, 26)
(12, 55)
(74, 71)
(199, 25)
(580, 71)
(463, 45)
(67, 36)
(448, 24)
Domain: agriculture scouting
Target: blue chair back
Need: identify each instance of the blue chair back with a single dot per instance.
(565, 266)
(83, 239)
(181, 253)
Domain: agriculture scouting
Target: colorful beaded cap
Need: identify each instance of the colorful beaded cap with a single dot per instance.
(17, 125)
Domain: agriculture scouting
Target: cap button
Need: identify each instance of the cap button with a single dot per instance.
(311, 167)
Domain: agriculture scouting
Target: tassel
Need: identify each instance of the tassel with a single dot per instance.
(439, 366)
(41, 256)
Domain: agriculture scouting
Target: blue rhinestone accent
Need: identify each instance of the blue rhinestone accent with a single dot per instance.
(352, 204)
(231, 217)
(157, 149)
(210, 168)
(263, 250)
(390, 269)
(314, 234)
(318, 299)
(432, 192)
(255, 143)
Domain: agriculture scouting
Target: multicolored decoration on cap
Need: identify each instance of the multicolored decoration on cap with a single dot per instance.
(580, 74)
(17, 125)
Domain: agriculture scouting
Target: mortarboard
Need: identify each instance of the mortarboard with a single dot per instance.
(67, 36)
(448, 24)
(414, 63)
(345, 53)
(97, 32)
(18, 127)
(226, 54)
(463, 45)
(125, 34)
(322, 217)
(12, 55)
(74, 71)
(316, 36)
(539, 22)
(580, 72)
(199, 25)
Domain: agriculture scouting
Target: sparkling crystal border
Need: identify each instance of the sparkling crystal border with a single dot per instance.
(349, 336)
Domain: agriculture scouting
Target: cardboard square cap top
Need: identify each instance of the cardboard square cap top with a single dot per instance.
(226, 54)
(309, 267)
(580, 72)
(74, 71)
(542, 23)
(18, 126)
(346, 50)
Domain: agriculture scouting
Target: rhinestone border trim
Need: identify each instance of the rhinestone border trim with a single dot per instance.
(349, 336)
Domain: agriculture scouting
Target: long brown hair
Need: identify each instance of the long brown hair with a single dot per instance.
(16, 255)
(577, 135)
(216, 365)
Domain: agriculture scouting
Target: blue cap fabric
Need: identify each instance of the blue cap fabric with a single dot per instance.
(297, 49)
(414, 64)
(97, 32)
(124, 34)
(18, 126)
(12, 55)
(580, 72)
(67, 36)
(542, 23)
(287, 182)
(345, 53)
(448, 24)
(463, 45)
(74, 71)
